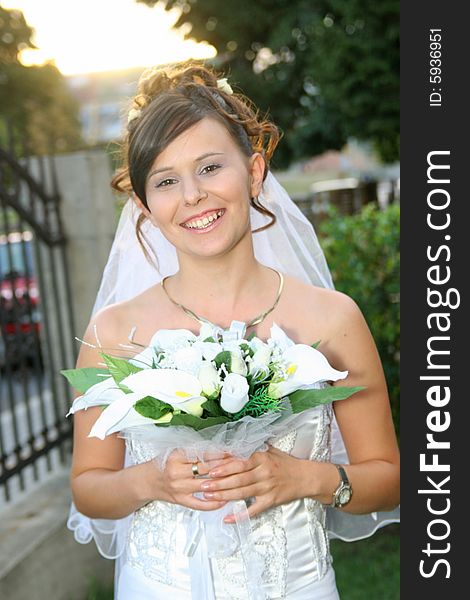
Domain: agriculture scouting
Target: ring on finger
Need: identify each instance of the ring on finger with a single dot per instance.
(195, 469)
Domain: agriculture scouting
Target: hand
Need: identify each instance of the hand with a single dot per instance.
(179, 484)
(272, 477)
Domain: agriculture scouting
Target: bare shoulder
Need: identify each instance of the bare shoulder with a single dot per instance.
(323, 310)
(112, 326)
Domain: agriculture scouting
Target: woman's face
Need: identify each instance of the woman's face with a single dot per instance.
(199, 188)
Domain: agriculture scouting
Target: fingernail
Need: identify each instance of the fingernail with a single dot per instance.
(214, 474)
(209, 495)
(206, 485)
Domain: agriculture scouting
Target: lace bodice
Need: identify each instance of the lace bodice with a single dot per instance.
(290, 540)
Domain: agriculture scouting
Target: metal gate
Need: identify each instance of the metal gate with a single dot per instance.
(36, 322)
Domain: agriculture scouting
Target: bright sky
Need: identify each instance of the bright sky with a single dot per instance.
(84, 36)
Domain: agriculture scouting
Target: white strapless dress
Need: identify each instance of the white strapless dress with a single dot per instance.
(290, 540)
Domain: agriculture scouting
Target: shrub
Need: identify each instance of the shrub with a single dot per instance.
(364, 257)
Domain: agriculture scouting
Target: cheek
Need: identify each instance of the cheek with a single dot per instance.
(162, 211)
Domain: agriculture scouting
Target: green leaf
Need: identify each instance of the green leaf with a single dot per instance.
(196, 423)
(213, 408)
(83, 379)
(152, 408)
(303, 399)
(120, 368)
(210, 339)
(251, 336)
(225, 358)
(316, 344)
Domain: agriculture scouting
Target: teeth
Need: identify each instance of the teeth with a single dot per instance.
(203, 223)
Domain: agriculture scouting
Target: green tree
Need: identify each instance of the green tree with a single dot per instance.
(15, 35)
(326, 70)
(34, 101)
(363, 254)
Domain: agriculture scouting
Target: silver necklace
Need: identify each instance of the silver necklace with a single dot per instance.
(251, 323)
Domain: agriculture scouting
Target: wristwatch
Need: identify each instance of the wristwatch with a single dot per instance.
(343, 493)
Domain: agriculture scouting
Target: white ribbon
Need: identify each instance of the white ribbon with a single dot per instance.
(207, 536)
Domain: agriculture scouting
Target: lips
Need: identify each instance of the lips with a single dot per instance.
(203, 220)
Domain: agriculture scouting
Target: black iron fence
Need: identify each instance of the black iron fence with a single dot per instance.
(36, 321)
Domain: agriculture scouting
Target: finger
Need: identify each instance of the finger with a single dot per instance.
(230, 482)
(234, 494)
(231, 467)
(204, 468)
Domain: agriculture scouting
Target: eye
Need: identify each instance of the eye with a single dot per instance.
(210, 168)
(165, 182)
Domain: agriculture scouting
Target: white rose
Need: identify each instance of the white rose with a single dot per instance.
(234, 394)
(209, 378)
(237, 363)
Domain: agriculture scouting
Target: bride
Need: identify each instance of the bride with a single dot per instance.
(196, 167)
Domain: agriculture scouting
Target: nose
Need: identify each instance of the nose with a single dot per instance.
(192, 194)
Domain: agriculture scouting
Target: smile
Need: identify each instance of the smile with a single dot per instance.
(205, 221)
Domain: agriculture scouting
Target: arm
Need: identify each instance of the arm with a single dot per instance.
(101, 487)
(365, 419)
(366, 425)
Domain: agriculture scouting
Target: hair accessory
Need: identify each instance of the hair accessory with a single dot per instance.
(224, 86)
(134, 113)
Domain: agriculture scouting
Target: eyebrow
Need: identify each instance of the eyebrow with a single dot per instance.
(199, 158)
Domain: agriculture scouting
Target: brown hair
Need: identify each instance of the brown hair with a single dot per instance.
(170, 100)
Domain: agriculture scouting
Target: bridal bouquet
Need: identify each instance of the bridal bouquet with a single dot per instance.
(209, 394)
(202, 381)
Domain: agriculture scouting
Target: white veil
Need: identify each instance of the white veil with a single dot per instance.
(290, 246)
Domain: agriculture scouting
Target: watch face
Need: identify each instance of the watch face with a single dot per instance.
(344, 496)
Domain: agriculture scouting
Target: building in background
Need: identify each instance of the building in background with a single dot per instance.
(103, 99)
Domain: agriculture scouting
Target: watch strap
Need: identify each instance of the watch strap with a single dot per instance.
(343, 484)
(342, 474)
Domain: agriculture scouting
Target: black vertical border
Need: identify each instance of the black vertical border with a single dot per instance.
(424, 129)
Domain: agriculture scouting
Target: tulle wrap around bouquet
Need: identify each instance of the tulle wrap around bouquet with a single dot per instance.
(208, 394)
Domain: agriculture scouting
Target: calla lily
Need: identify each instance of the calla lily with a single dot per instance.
(119, 413)
(113, 417)
(279, 338)
(306, 367)
(101, 393)
(234, 393)
(178, 388)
